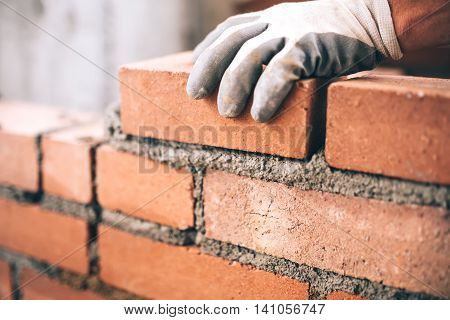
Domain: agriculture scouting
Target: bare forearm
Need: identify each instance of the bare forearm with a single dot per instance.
(421, 23)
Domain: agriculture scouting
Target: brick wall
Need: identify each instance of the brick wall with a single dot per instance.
(345, 195)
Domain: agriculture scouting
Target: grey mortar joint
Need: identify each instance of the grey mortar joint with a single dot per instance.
(70, 208)
(40, 156)
(321, 282)
(12, 193)
(94, 265)
(147, 229)
(199, 220)
(313, 174)
(50, 202)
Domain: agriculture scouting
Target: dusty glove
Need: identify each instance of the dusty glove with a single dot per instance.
(296, 40)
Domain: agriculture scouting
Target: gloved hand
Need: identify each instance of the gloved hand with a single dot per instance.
(321, 38)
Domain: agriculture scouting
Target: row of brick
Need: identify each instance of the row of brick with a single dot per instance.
(391, 125)
(401, 245)
(356, 236)
(264, 216)
(176, 273)
(37, 286)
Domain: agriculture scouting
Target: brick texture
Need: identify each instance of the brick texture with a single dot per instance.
(402, 245)
(395, 126)
(39, 287)
(5, 281)
(155, 104)
(143, 188)
(67, 159)
(340, 295)
(160, 271)
(20, 125)
(45, 235)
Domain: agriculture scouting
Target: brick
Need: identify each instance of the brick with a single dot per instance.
(5, 281)
(20, 125)
(401, 245)
(340, 295)
(67, 161)
(45, 235)
(36, 286)
(161, 271)
(394, 126)
(145, 189)
(155, 104)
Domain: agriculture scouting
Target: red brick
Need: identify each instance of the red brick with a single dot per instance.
(5, 281)
(143, 188)
(20, 125)
(161, 271)
(66, 164)
(155, 104)
(402, 245)
(45, 235)
(395, 126)
(36, 286)
(340, 295)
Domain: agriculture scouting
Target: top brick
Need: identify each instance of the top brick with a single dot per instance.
(20, 125)
(390, 125)
(155, 104)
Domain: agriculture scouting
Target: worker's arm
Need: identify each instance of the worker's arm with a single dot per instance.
(421, 24)
(321, 38)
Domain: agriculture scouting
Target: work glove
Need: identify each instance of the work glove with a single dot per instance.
(321, 38)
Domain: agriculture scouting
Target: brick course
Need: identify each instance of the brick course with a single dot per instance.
(43, 234)
(353, 236)
(380, 249)
(160, 271)
(390, 125)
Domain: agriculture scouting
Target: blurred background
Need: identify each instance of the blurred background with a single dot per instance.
(67, 53)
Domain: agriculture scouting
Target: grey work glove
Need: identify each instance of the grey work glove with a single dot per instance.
(296, 40)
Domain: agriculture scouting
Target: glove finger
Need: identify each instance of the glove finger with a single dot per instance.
(242, 74)
(210, 66)
(217, 32)
(277, 81)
